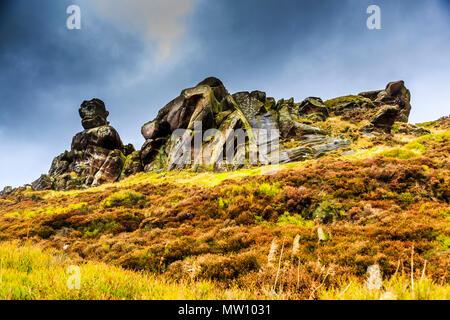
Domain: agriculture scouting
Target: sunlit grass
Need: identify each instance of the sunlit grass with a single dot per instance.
(28, 272)
(27, 214)
(396, 288)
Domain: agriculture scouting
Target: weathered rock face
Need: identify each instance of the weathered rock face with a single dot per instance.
(198, 104)
(294, 134)
(314, 109)
(385, 119)
(207, 128)
(97, 154)
(93, 114)
(394, 102)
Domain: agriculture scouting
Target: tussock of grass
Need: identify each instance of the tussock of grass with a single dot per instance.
(399, 153)
(27, 272)
(296, 219)
(127, 198)
(27, 214)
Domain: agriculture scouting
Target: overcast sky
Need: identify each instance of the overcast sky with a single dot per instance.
(138, 55)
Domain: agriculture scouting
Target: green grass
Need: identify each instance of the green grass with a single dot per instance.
(27, 214)
(269, 189)
(419, 144)
(445, 241)
(399, 153)
(128, 198)
(396, 288)
(345, 99)
(296, 219)
(27, 272)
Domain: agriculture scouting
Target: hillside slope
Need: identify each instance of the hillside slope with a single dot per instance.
(296, 228)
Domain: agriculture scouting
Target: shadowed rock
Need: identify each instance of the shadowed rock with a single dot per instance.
(210, 104)
(93, 114)
(284, 130)
(314, 109)
(97, 154)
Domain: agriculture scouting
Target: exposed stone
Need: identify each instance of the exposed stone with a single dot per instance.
(410, 129)
(331, 145)
(128, 149)
(60, 164)
(250, 104)
(6, 190)
(217, 86)
(353, 107)
(104, 137)
(396, 94)
(45, 182)
(67, 181)
(93, 114)
(374, 280)
(210, 104)
(97, 154)
(231, 129)
(386, 118)
(111, 169)
(313, 108)
(132, 164)
(372, 95)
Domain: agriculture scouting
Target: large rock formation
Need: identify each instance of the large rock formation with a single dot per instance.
(210, 104)
(381, 107)
(207, 128)
(97, 154)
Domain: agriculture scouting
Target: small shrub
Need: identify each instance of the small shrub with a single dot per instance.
(245, 218)
(223, 268)
(406, 198)
(96, 228)
(445, 241)
(415, 145)
(124, 198)
(399, 153)
(328, 211)
(295, 219)
(269, 189)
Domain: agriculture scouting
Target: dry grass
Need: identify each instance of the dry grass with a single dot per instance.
(27, 272)
(217, 229)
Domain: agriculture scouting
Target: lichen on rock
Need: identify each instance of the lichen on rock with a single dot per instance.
(97, 154)
(237, 130)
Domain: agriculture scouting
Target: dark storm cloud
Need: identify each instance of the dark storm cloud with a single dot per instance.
(42, 61)
(287, 48)
(46, 71)
(323, 48)
(312, 40)
(261, 32)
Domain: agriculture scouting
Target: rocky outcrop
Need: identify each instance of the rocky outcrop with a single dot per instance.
(314, 109)
(6, 190)
(97, 154)
(268, 125)
(394, 102)
(207, 128)
(381, 107)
